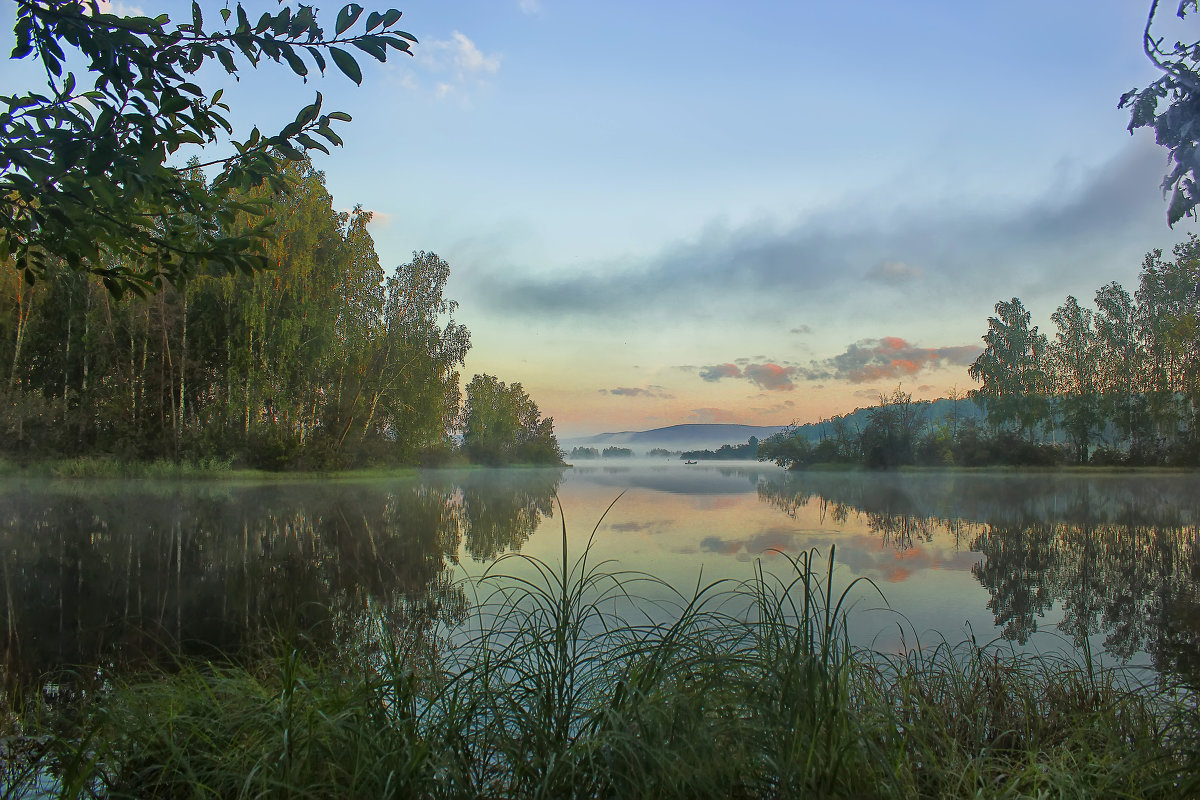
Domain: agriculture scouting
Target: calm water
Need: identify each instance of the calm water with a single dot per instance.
(112, 573)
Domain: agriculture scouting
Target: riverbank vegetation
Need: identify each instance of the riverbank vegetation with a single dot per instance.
(556, 685)
(1116, 385)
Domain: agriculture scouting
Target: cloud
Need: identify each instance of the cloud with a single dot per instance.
(890, 357)
(718, 371)
(801, 329)
(529, 6)
(979, 248)
(635, 527)
(895, 273)
(633, 391)
(453, 64)
(769, 376)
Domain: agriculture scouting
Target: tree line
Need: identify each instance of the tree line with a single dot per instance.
(1115, 384)
(1124, 375)
(321, 360)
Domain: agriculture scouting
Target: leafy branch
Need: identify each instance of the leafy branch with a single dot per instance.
(1178, 127)
(85, 172)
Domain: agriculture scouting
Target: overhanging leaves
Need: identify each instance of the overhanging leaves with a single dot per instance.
(84, 175)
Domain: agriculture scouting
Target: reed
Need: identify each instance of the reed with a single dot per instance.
(566, 682)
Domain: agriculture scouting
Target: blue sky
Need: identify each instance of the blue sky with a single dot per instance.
(664, 212)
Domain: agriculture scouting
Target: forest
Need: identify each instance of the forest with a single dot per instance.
(322, 360)
(1115, 384)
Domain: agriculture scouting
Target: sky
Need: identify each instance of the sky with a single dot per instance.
(762, 212)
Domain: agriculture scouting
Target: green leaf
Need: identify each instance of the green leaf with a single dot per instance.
(347, 17)
(295, 62)
(317, 57)
(346, 63)
(24, 43)
(225, 15)
(371, 47)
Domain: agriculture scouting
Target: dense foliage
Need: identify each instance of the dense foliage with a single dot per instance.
(726, 452)
(502, 425)
(90, 174)
(323, 360)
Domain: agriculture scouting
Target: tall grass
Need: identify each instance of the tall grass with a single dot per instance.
(566, 682)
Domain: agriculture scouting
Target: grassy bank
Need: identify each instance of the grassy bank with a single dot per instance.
(559, 686)
(108, 467)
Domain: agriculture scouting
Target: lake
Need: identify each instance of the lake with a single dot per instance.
(114, 573)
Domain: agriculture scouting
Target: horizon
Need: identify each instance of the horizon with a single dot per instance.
(797, 422)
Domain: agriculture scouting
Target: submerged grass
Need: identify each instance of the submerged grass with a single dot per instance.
(566, 682)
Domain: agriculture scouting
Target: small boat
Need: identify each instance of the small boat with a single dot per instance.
(689, 462)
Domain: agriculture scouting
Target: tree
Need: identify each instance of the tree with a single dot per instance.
(893, 428)
(1120, 359)
(86, 173)
(1012, 369)
(1075, 355)
(1178, 127)
(502, 425)
(1168, 321)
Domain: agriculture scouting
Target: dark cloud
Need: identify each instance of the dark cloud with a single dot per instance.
(717, 372)
(801, 329)
(867, 360)
(1076, 228)
(634, 527)
(635, 391)
(769, 376)
(889, 358)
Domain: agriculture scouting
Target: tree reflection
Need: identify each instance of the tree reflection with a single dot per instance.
(105, 575)
(502, 509)
(1119, 555)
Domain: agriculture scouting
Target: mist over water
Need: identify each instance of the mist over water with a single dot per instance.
(113, 574)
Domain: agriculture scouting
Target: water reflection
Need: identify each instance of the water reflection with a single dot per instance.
(114, 573)
(1118, 555)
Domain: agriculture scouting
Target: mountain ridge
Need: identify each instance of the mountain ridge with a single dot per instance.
(684, 436)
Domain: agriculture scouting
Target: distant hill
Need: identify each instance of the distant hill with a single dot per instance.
(698, 436)
(675, 437)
